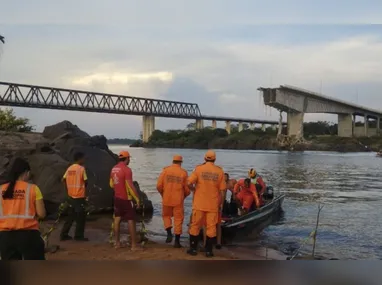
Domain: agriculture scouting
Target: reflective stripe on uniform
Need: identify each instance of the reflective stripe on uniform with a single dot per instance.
(26, 213)
(78, 183)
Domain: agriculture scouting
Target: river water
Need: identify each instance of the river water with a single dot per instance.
(348, 185)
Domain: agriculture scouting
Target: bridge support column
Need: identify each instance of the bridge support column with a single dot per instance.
(345, 125)
(252, 126)
(148, 127)
(295, 123)
(199, 124)
(263, 127)
(366, 125)
(240, 127)
(274, 127)
(214, 124)
(228, 127)
(378, 126)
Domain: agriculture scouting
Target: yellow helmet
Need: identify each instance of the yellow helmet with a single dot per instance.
(252, 173)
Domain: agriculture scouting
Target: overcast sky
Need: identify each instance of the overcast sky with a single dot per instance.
(213, 52)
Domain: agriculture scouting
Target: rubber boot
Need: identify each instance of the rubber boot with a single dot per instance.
(193, 245)
(177, 242)
(209, 245)
(169, 235)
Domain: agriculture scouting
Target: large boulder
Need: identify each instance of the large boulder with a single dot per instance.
(51, 154)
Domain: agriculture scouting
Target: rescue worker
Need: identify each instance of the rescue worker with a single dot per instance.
(246, 193)
(76, 181)
(258, 181)
(121, 180)
(172, 186)
(21, 204)
(209, 182)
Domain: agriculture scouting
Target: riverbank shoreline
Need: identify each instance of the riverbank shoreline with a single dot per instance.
(99, 248)
(257, 140)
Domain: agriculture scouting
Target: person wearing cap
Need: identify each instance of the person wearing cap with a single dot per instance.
(245, 193)
(75, 182)
(259, 183)
(21, 204)
(172, 186)
(121, 180)
(209, 183)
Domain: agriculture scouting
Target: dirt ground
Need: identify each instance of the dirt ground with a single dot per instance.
(99, 248)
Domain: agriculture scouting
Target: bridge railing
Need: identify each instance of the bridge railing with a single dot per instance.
(21, 95)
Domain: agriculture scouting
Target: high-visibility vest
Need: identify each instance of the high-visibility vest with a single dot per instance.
(75, 181)
(18, 213)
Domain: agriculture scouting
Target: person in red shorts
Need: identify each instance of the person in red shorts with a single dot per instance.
(121, 180)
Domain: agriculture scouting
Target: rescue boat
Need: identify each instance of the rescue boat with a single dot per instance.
(233, 222)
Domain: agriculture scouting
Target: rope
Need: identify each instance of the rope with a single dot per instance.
(143, 232)
(311, 235)
(61, 209)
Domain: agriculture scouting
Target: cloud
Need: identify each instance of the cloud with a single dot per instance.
(184, 14)
(149, 84)
(211, 54)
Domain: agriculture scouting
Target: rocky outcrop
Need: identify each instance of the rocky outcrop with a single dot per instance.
(51, 152)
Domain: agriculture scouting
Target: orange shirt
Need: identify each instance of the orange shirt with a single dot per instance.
(172, 185)
(251, 190)
(209, 181)
(121, 180)
(75, 177)
(19, 213)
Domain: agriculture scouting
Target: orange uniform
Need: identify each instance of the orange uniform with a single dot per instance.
(209, 180)
(172, 185)
(19, 213)
(246, 195)
(75, 177)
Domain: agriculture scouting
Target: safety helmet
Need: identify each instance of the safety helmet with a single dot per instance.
(252, 173)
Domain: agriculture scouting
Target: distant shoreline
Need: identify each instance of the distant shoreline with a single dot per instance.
(257, 140)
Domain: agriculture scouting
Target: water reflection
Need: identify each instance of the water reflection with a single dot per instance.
(348, 184)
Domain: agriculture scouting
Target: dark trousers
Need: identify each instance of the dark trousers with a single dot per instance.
(76, 213)
(22, 245)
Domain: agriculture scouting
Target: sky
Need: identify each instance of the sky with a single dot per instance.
(215, 53)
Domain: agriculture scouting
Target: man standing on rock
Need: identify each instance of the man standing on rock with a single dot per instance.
(121, 180)
(75, 181)
(172, 186)
(210, 184)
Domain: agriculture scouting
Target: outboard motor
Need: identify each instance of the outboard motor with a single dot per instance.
(268, 194)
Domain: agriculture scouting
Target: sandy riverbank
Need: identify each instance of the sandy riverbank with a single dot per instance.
(98, 248)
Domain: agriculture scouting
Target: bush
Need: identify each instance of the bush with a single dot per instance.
(9, 122)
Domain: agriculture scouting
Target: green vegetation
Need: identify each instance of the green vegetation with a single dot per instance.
(320, 136)
(210, 138)
(121, 141)
(10, 123)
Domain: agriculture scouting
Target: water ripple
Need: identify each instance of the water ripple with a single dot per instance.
(350, 186)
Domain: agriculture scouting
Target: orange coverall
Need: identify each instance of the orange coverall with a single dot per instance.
(259, 180)
(246, 196)
(209, 181)
(172, 185)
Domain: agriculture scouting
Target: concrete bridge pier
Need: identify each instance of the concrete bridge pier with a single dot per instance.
(240, 127)
(199, 124)
(214, 124)
(228, 126)
(148, 127)
(252, 126)
(295, 121)
(378, 126)
(345, 125)
(263, 127)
